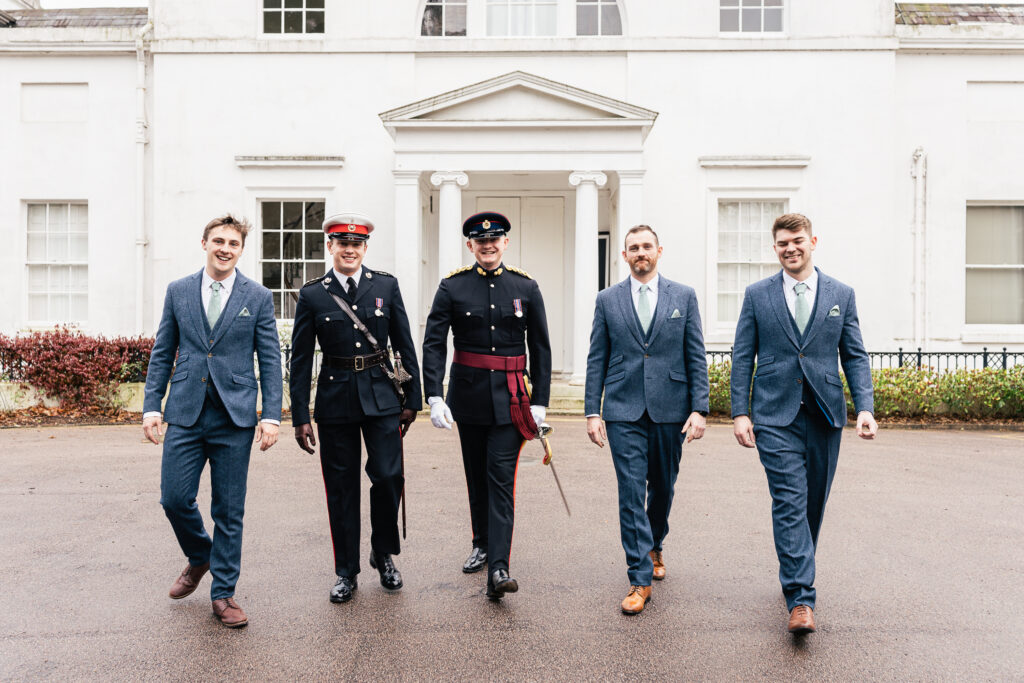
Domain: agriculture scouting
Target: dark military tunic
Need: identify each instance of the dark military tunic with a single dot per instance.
(480, 308)
(350, 403)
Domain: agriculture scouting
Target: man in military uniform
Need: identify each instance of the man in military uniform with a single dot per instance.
(496, 313)
(355, 394)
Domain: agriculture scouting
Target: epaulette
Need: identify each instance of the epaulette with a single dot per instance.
(463, 269)
(518, 271)
(381, 272)
(315, 280)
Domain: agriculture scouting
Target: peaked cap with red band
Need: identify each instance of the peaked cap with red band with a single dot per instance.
(486, 224)
(349, 226)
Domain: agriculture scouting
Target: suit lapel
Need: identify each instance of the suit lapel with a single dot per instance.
(778, 299)
(365, 288)
(196, 310)
(334, 286)
(822, 304)
(235, 302)
(625, 297)
(661, 308)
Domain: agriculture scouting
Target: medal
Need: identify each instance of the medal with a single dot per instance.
(380, 304)
(518, 303)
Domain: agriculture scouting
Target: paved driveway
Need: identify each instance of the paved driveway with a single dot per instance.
(919, 569)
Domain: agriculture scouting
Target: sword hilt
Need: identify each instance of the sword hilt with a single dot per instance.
(543, 431)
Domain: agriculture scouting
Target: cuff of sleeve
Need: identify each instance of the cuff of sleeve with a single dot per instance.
(152, 413)
(273, 422)
(594, 415)
(433, 399)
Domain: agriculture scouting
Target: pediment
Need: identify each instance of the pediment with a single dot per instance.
(518, 97)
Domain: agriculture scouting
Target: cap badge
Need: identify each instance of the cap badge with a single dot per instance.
(487, 225)
(351, 228)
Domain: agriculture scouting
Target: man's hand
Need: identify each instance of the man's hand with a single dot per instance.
(694, 427)
(305, 438)
(406, 419)
(866, 425)
(152, 427)
(538, 413)
(743, 430)
(595, 430)
(266, 434)
(440, 415)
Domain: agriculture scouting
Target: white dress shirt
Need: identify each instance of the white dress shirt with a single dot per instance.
(788, 281)
(227, 285)
(343, 279)
(652, 293)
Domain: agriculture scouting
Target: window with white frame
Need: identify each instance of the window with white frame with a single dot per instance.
(58, 262)
(598, 18)
(521, 17)
(293, 16)
(750, 16)
(292, 250)
(444, 18)
(995, 265)
(745, 252)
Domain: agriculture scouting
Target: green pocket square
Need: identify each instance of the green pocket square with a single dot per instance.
(675, 314)
(245, 313)
(834, 312)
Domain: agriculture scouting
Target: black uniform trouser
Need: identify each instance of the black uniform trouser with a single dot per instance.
(490, 454)
(340, 455)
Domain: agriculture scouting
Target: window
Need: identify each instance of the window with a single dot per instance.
(745, 252)
(521, 17)
(444, 18)
(750, 16)
(995, 265)
(295, 16)
(292, 250)
(58, 262)
(604, 262)
(598, 18)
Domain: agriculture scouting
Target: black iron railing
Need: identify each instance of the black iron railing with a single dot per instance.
(942, 361)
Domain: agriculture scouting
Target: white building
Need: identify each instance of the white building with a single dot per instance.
(898, 129)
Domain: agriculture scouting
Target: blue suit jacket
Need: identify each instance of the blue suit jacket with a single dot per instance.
(665, 374)
(223, 356)
(765, 331)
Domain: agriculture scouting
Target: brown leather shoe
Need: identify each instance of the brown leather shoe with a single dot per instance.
(187, 583)
(659, 565)
(229, 613)
(801, 620)
(636, 600)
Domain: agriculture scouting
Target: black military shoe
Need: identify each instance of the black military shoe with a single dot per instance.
(476, 561)
(343, 589)
(500, 583)
(390, 577)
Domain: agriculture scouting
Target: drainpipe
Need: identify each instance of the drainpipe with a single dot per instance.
(919, 171)
(141, 125)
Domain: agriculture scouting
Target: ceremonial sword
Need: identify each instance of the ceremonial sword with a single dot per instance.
(543, 432)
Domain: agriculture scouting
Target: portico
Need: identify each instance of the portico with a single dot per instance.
(563, 163)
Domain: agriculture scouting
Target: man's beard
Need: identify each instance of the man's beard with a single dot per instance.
(641, 267)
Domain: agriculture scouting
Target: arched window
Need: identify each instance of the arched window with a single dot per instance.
(444, 18)
(598, 18)
(521, 17)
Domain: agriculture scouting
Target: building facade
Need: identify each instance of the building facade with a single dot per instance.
(897, 128)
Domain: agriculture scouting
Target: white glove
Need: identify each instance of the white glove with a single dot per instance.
(440, 415)
(538, 412)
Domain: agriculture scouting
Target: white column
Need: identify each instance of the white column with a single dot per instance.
(631, 212)
(585, 273)
(408, 232)
(449, 215)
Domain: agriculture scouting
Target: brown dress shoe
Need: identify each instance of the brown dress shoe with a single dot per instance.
(187, 583)
(659, 565)
(801, 620)
(229, 613)
(636, 600)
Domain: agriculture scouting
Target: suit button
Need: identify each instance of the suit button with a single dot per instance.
(209, 355)
(358, 345)
(330, 377)
(492, 327)
(492, 348)
(647, 355)
(492, 305)
(211, 341)
(492, 285)
(801, 355)
(355, 327)
(204, 379)
(327, 320)
(492, 370)
(354, 307)
(800, 381)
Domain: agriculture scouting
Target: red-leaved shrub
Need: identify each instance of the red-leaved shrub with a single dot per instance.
(79, 371)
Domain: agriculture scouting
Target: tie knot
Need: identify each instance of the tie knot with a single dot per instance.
(217, 286)
(643, 289)
(800, 288)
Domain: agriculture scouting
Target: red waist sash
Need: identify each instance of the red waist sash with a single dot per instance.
(519, 400)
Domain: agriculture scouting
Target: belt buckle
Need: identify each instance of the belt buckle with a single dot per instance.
(359, 364)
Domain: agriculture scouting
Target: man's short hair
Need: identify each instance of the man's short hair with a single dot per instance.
(239, 224)
(794, 222)
(640, 228)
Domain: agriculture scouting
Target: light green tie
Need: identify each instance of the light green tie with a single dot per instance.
(803, 309)
(643, 308)
(213, 310)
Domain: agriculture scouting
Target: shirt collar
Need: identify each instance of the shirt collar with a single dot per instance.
(812, 280)
(227, 283)
(652, 284)
(343, 279)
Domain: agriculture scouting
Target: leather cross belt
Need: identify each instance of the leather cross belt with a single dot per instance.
(519, 399)
(357, 363)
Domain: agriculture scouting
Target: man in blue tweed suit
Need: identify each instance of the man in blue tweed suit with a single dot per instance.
(647, 357)
(798, 325)
(213, 321)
